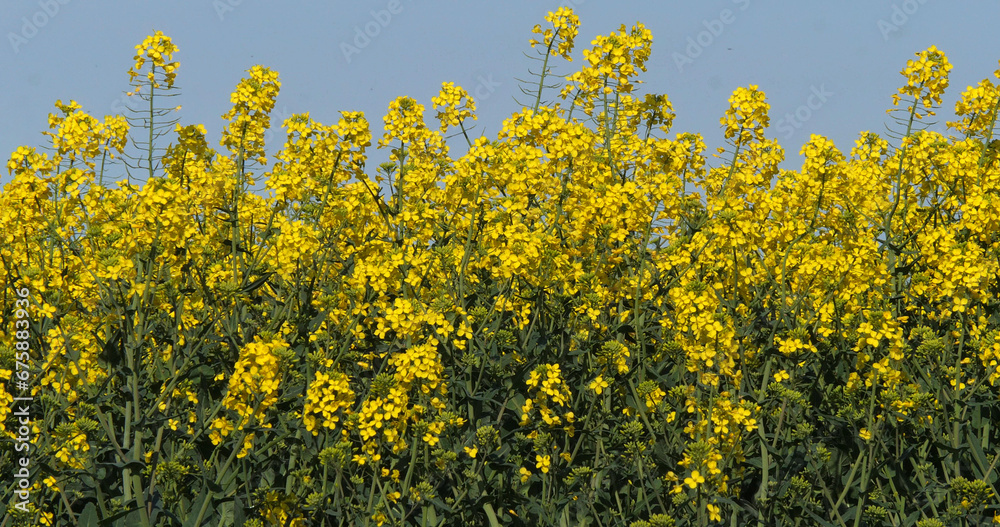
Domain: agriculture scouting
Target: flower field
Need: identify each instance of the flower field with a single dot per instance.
(579, 322)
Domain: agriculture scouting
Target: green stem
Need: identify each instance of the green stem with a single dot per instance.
(541, 76)
(152, 113)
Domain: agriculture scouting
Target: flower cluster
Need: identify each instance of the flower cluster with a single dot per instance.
(560, 38)
(456, 106)
(249, 117)
(547, 388)
(746, 119)
(926, 79)
(328, 396)
(576, 318)
(611, 64)
(158, 49)
(254, 385)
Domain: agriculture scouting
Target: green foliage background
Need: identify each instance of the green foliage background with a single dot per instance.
(552, 329)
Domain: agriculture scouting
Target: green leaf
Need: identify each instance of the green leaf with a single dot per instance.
(125, 518)
(982, 462)
(821, 521)
(256, 284)
(88, 518)
(195, 508)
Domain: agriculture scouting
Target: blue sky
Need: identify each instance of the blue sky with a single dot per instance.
(826, 67)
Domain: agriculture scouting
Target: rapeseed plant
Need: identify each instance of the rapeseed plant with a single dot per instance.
(584, 323)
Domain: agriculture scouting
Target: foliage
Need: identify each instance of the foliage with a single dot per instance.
(578, 323)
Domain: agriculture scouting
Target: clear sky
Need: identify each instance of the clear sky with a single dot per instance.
(826, 67)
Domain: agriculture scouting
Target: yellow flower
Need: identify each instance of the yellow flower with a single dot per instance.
(51, 483)
(713, 512)
(159, 50)
(781, 376)
(598, 384)
(249, 117)
(221, 427)
(472, 451)
(543, 462)
(559, 39)
(865, 434)
(746, 117)
(454, 111)
(694, 480)
(525, 474)
(929, 73)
